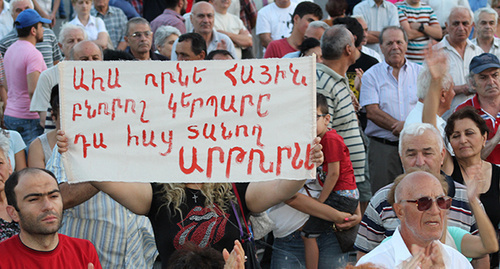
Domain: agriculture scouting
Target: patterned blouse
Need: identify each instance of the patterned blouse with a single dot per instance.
(8, 229)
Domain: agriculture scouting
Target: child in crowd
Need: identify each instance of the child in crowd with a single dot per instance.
(95, 28)
(336, 175)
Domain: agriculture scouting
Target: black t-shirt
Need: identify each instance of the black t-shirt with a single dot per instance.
(364, 62)
(206, 227)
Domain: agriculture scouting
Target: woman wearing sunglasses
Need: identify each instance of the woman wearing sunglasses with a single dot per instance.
(471, 246)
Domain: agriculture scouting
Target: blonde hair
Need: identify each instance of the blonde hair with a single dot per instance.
(220, 194)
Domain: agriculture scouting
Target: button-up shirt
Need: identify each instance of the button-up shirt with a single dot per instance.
(116, 23)
(393, 253)
(396, 97)
(459, 67)
(377, 17)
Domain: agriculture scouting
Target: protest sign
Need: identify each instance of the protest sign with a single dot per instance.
(203, 121)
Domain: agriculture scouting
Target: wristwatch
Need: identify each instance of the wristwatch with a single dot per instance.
(421, 28)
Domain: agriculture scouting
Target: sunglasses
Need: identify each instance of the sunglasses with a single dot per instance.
(424, 203)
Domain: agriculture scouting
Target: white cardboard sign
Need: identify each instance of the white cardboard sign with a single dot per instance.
(201, 121)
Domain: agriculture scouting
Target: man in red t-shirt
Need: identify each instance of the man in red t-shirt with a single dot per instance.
(305, 13)
(34, 201)
(485, 80)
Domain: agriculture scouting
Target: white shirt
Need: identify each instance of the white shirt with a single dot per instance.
(377, 17)
(275, 20)
(6, 21)
(393, 252)
(288, 219)
(370, 52)
(93, 27)
(395, 97)
(415, 116)
(495, 47)
(231, 24)
(442, 8)
(459, 68)
(216, 38)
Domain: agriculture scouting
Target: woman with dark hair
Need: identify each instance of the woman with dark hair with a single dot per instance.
(310, 46)
(467, 133)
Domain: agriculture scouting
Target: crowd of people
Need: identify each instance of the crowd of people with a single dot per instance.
(407, 154)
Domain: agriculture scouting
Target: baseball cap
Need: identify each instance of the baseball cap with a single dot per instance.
(29, 17)
(483, 62)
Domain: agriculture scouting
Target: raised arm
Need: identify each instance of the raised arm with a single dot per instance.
(474, 246)
(262, 195)
(136, 197)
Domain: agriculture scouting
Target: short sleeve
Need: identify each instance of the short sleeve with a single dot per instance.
(16, 141)
(101, 27)
(263, 26)
(35, 63)
(457, 234)
(402, 14)
(332, 147)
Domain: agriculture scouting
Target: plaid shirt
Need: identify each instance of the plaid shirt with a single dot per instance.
(116, 23)
(248, 13)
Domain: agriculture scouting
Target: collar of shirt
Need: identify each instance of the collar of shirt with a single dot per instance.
(448, 46)
(390, 68)
(90, 23)
(373, 4)
(475, 103)
(331, 72)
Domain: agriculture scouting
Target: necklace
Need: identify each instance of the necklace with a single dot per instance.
(194, 197)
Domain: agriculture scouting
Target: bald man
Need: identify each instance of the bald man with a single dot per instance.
(203, 18)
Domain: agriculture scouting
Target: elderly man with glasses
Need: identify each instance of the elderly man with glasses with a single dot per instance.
(421, 206)
(140, 39)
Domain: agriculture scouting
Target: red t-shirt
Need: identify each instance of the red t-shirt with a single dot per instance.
(491, 121)
(335, 150)
(278, 48)
(69, 253)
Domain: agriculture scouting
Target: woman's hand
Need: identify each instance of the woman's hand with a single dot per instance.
(235, 260)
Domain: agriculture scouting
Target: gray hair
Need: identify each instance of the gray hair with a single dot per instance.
(392, 27)
(334, 41)
(458, 8)
(424, 82)
(136, 20)
(319, 24)
(487, 10)
(67, 27)
(12, 2)
(5, 144)
(417, 129)
(163, 32)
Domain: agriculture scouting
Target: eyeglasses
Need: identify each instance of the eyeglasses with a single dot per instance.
(140, 34)
(424, 203)
(320, 115)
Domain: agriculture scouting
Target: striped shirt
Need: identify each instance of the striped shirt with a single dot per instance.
(423, 14)
(48, 47)
(122, 238)
(380, 221)
(344, 120)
